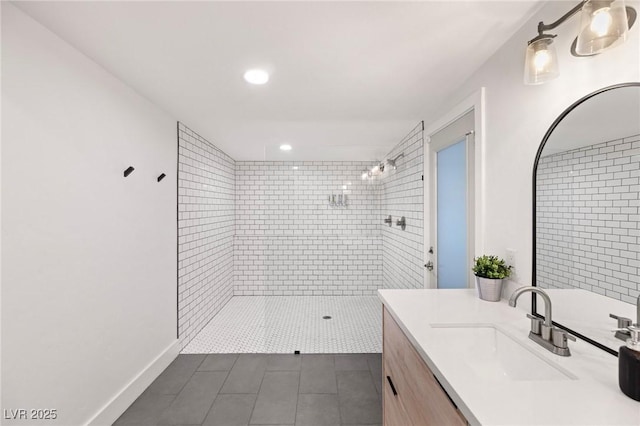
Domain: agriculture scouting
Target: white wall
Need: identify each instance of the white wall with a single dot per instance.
(89, 257)
(517, 117)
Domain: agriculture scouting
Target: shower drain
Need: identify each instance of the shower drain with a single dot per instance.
(326, 317)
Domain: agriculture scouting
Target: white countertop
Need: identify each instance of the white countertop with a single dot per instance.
(593, 398)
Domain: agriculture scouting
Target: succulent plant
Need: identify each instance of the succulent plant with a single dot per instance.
(491, 267)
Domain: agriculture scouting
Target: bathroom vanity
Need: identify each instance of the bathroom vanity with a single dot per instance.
(407, 379)
(451, 358)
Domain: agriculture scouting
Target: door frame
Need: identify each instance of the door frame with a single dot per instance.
(475, 102)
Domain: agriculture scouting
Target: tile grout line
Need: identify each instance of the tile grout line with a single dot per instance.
(257, 393)
(295, 416)
(335, 374)
(217, 394)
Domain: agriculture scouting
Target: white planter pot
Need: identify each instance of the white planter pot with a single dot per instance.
(489, 289)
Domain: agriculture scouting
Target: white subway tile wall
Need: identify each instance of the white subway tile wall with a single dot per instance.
(587, 221)
(290, 240)
(206, 203)
(402, 195)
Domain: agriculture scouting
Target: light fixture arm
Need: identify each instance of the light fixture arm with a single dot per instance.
(542, 27)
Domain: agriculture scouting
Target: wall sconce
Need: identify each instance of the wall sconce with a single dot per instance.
(603, 24)
(373, 172)
(378, 169)
(541, 63)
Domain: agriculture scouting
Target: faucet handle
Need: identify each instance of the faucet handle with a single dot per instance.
(536, 323)
(560, 337)
(623, 322)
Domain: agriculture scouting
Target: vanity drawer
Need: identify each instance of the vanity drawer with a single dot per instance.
(393, 411)
(420, 399)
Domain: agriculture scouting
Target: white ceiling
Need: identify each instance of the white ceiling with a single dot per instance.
(605, 117)
(348, 79)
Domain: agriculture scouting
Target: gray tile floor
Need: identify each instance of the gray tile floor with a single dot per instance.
(258, 389)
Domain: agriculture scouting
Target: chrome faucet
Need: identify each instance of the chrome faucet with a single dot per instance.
(622, 332)
(545, 334)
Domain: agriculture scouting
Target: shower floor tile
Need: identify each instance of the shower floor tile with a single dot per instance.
(284, 324)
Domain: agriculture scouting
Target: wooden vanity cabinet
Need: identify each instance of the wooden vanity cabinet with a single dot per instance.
(412, 395)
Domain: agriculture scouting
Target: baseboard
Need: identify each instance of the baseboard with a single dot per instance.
(119, 403)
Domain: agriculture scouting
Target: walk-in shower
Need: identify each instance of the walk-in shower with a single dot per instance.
(278, 257)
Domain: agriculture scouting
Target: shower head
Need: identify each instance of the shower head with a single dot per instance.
(392, 162)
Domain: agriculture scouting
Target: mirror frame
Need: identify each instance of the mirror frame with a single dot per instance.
(546, 137)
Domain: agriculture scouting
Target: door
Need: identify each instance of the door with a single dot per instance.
(451, 204)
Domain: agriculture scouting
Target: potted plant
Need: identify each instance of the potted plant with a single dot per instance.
(489, 272)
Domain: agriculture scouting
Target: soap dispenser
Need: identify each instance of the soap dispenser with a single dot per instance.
(629, 365)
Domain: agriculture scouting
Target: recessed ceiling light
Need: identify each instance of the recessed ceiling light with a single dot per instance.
(285, 147)
(295, 167)
(256, 76)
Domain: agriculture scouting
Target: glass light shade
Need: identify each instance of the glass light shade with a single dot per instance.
(391, 168)
(603, 24)
(541, 62)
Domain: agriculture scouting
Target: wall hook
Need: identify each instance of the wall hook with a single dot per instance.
(402, 223)
(161, 177)
(129, 170)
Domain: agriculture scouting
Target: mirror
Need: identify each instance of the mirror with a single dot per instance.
(586, 199)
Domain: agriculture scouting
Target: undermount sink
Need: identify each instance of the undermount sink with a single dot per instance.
(489, 353)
